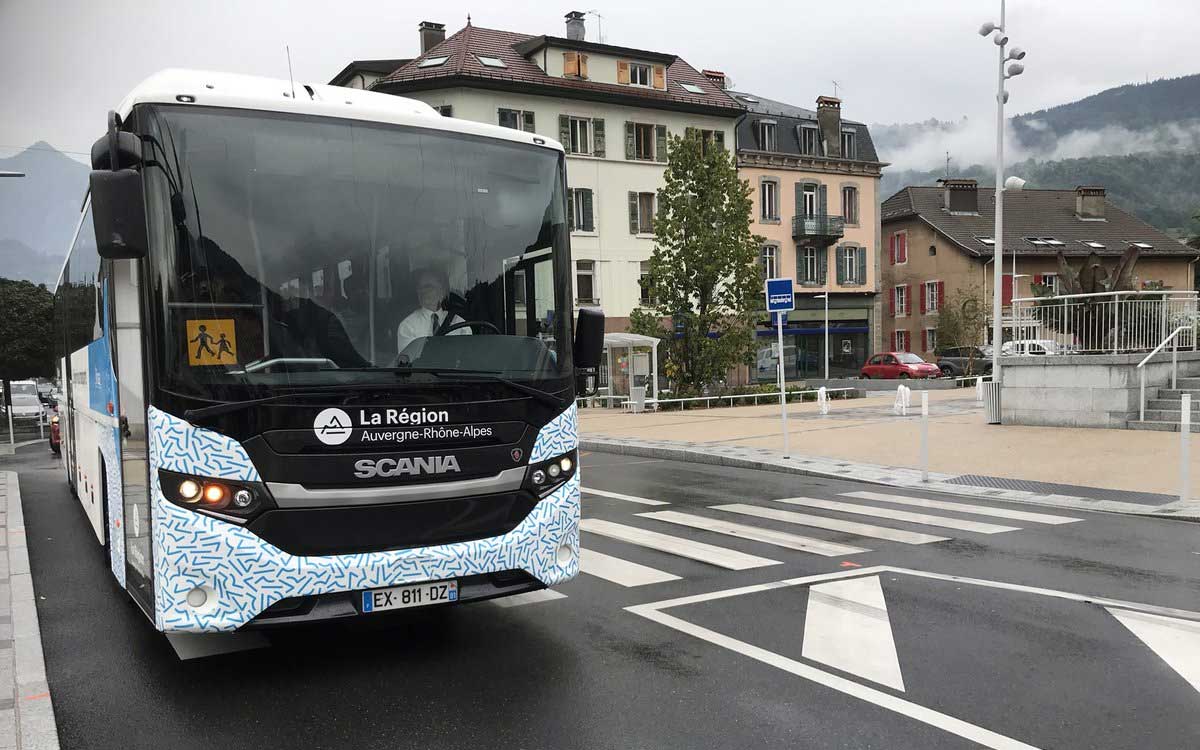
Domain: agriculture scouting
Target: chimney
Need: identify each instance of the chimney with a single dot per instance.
(960, 196)
(575, 30)
(1089, 202)
(829, 118)
(716, 76)
(432, 34)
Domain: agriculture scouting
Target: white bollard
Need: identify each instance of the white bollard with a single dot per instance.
(978, 389)
(1185, 435)
(823, 400)
(924, 436)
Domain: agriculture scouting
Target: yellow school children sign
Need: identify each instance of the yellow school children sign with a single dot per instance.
(211, 342)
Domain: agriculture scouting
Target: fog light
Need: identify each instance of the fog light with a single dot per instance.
(214, 493)
(197, 597)
(565, 555)
(243, 498)
(553, 470)
(566, 464)
(539, 477)
(189, 490)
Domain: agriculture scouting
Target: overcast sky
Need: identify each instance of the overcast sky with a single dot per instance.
(63, 64)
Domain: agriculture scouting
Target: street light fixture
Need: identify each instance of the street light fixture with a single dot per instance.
(825, 297)
(12, 174)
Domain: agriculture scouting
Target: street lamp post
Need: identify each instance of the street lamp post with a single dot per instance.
(1000, 39)
(8, 394)
(826, 298)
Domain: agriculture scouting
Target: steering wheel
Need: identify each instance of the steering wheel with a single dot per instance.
(468, 324)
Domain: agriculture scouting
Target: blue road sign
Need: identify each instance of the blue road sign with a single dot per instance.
(780, 297)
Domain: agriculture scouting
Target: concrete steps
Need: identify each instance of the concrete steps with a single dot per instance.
(1171, 404)
(1188, 383)
(1175, 393)
(1157, 425)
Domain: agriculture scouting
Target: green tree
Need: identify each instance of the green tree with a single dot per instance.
(26, 330)
(704, 268)
(963, 321)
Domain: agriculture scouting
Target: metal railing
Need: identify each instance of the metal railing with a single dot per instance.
(1105, 322)
(660, 402)
(818, 225)
(1141, 368)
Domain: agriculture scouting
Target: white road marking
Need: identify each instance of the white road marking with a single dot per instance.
(898, 515)
(979, 510)
(619, 496)
(846, 627)
(620, 571)
(200, 645)
(755, 533)
(1177, 642)
(707, 553)
(529, 597)
(834, 524)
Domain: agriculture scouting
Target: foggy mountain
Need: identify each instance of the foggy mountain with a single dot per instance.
(38, 212)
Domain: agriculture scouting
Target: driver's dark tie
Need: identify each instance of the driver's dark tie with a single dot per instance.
(433, 329)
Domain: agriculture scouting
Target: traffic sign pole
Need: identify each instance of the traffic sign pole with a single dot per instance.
(781, 299)
(787, 452)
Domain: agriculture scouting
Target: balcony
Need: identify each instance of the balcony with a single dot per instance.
(819, 227)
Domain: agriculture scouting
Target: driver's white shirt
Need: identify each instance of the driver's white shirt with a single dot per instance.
(419, 324)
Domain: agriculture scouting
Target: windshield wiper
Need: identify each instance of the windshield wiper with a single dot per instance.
(227, 407)
(491, 376)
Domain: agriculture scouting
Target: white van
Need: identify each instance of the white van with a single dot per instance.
(1031, 347)
(25, 401)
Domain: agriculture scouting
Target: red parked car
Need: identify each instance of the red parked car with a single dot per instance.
(903, 365)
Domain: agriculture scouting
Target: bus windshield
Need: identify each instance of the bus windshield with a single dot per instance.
(290, 250)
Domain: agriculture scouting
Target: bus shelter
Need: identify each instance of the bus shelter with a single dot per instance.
(632, 361)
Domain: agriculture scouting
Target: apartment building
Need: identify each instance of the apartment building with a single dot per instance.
(815, 178)
(940, 239)
(611, 107)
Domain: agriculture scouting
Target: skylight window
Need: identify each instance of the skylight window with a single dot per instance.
(491, 62)
(987, 241)
(1142, 245)
(1045, 242)
(692, 88)
(1093, 244)
(433, 62)
(750, 99)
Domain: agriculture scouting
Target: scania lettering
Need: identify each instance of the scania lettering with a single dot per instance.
(320, 355)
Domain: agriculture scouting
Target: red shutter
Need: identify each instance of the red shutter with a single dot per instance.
(892, 249)
(1037, 278)
(924, 291)
(908, 299)
(902, 251)
(892, 346)
(1006, 290)
(892, 303)
(924, 339)
(941, 293)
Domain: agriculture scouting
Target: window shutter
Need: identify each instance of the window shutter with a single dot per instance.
(1037, 278)
(633, 212)
(622, 72)
(758, 133)
(924, 339)
(840, 255)
(571, 209)
(822, 201)
(907, 299)
(893, 346)
(660, 142)
(822, 265)
(924, 292)
(589, 221)
(941, 294)
(564, 132)
(583, 66)
(598, 138)
(903, 250)
(527, 118)
(629, 140)
(570, 63)
(799, 199)
(892, 303)
(660, 77)
(861, 252)
(892, 249)
(719, 139)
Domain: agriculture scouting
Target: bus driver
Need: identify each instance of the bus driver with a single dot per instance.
(430, 317)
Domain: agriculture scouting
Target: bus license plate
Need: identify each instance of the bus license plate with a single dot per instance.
(415, 595)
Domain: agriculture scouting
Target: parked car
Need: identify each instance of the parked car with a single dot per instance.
(963, 361)
(25, 401)
(903, 365)
(1031, 347)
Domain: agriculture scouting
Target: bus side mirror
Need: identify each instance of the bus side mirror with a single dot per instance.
(588, 348)
(119, 213)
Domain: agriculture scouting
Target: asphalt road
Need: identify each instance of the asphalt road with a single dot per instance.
(872, 642)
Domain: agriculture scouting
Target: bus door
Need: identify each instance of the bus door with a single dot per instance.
(127, 330)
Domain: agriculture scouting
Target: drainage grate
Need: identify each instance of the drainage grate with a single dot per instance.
(1050, 488)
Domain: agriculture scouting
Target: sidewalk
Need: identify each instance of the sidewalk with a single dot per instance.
(26, 710)
(1119, 470)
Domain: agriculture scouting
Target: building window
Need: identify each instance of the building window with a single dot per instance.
(849, 145)
(768, 258)
(433, 62)
(852, 265)
(809, 266)
(902, 342)
(899, 248)
(932, 291)
(518, 286)
(445, 110)
(850, 204)
(710, 138)
(931, 339)
(585, 282)
(641, 213)
(491, 62)
(1050, 281)
(581, 217)
(581, 136)
(900, 300)
(644, 281)
(639, 74)
(643, 141)
(810, 139)
(516, 119)
(766, 135)
(809, 198)
(769, 200)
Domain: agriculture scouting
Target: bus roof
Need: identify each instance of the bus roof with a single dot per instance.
(209, 89)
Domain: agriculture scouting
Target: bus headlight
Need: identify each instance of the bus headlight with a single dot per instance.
(545, 476)
(231, 500)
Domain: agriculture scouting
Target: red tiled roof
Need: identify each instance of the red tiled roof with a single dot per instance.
(463, 48)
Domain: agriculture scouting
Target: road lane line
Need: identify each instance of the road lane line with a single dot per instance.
(706, 553)
(847, 627)
(619, 496)
(1177, 642)
(834, 524)
(620, 571)
(756, 533)
(529, 597)
(898, 515)
(979, 510)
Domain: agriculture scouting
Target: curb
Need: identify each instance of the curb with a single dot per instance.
(27, 721)
(762, 459)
